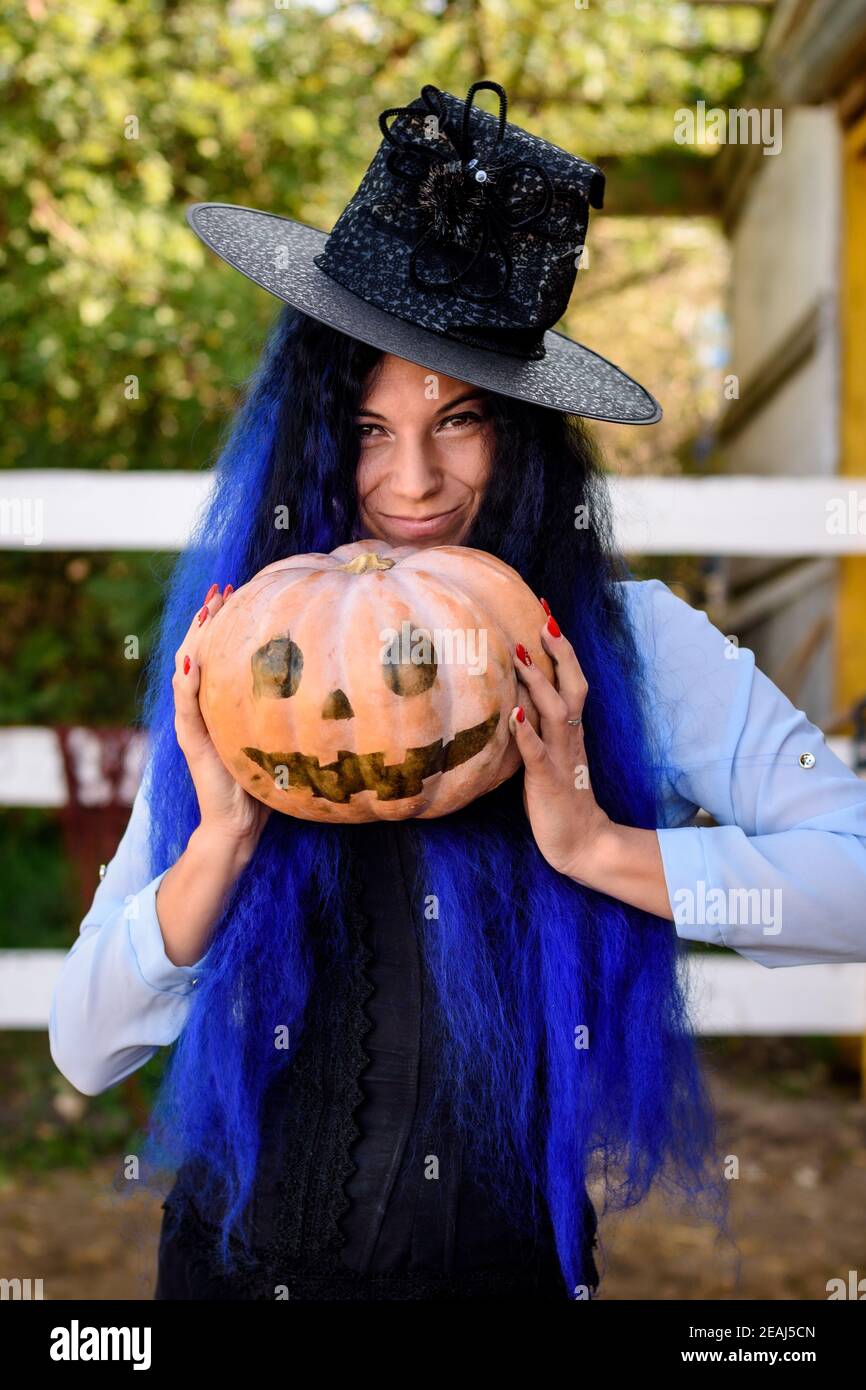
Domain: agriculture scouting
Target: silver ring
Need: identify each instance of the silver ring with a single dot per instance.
(578, 720)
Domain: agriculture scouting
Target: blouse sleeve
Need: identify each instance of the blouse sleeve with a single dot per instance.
(118, 996)
(781, 878)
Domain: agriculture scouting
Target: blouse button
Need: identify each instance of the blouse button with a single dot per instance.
(807, 759)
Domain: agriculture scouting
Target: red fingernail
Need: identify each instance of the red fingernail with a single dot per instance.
(210, 593)
(523, 654)
(202, 615)
(545, 605)
(229, 589)
(553, 627)
(520, 716)
(186, 666)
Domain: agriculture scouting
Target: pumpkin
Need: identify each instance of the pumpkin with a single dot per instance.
(373, 683)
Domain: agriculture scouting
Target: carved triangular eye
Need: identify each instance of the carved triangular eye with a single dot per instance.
(277, 668)
(337, 706)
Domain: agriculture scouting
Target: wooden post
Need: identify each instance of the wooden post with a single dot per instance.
(851, 646)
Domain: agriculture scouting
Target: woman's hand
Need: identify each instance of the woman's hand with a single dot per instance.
(228, 813)
(193, 891)
(566, 819)
(571, 830)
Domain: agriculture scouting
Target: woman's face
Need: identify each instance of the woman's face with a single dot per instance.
(424, 455)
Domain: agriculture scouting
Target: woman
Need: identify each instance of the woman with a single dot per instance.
(403, 1048)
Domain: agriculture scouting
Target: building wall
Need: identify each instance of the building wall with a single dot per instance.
(785, 244)
(785, 276)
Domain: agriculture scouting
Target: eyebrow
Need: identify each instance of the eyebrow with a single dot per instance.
(449, 405)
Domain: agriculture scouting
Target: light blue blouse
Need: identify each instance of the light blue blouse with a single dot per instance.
(780, 879)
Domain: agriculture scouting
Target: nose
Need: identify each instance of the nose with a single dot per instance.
(337, 706)
(415, 471)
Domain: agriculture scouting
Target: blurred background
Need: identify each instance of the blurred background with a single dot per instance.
(727, 272)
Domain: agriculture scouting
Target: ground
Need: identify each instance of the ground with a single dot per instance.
(795, 1122)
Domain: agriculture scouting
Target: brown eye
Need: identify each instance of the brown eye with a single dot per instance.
(409, 662)
(461, 421)
(277, 668)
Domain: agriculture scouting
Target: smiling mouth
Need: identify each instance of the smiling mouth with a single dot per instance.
(415, 520)
(358, 772)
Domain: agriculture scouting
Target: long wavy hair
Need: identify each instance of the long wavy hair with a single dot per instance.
(521, 958)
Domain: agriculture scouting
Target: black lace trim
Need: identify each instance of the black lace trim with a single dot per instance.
(326, 1083)
(354, 1060)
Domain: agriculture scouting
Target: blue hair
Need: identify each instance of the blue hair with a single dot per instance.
(522, 958)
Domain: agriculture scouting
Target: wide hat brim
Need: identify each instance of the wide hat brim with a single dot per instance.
(277, 254)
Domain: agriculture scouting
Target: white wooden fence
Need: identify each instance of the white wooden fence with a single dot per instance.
(767, 516)
(65, 509)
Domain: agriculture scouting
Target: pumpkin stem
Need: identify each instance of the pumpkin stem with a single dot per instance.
(362, 564)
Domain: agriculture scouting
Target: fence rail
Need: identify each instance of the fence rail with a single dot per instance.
(729, 995)
(68, 509)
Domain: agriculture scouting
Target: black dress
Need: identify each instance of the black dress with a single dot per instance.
(364, 1192)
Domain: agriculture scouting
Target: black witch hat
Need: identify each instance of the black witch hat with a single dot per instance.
(458, 251)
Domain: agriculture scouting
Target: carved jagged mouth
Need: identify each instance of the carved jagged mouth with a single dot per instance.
(358, 772)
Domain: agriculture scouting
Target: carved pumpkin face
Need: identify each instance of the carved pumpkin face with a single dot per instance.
(372, 683)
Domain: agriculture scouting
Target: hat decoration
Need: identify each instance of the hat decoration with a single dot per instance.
(471, 203)
(458, 251)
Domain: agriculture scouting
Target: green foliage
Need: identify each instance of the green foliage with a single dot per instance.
(40, 1131)
(40, 896)
(118, 116)
(63, 641)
